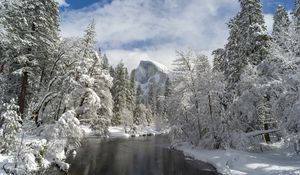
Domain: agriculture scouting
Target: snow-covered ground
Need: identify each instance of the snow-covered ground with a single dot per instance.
(86, 129)
(279, 161)
(119, 131)
(35, 152)
(4, 159)
(33, 144)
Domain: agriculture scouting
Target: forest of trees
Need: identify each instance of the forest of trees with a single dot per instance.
(49, 85)
(133, 107)
(251, 93)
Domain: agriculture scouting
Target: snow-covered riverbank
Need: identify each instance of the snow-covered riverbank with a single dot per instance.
(37, 148)
(28, 157)
(279, 161)
(33, 146)
(32, 158)
(119, 131)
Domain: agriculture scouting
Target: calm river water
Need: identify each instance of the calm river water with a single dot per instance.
(133, 156)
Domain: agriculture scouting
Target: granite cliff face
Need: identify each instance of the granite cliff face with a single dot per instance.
(150, 74)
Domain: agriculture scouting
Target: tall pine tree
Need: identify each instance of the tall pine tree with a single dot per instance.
(122, 95)
(32, 36)
(280, 35)
(248, 42)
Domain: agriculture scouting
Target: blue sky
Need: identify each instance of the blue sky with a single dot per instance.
(269, 5)
(131, 30)
(77, 4)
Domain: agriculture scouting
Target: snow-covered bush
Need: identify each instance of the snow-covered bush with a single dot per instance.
(11, 125)
(100, 126)
(141, 115)
(65, 134)
(127, 119)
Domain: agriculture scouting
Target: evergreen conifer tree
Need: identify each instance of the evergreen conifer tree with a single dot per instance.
(122, 95)
(280, 35)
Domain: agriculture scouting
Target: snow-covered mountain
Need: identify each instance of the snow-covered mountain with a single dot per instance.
(151, 73)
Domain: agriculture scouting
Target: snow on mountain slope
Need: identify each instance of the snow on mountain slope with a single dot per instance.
(150, 73)
(158, 65)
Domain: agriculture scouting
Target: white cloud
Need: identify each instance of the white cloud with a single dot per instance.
(131, 58)
(62, 3)
(269, 22)
(132, 30)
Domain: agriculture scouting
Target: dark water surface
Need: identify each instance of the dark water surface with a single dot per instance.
(134, 156)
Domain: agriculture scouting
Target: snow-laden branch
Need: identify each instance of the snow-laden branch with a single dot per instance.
(257, 133)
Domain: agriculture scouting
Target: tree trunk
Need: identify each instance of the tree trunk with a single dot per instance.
(199, 129)
(82, 102)
(198, 120)
(2, 67)
(54, 65)
(91, 71)
(267, 135)
(42, 78)
(58, 108)
(210, 106)
(23, 93)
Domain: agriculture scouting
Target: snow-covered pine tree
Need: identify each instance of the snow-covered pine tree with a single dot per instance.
(166, 98)
(3, 75)
(233, 63)
(91, 97)
(122, 96)
(45, 24)
(168, 88)
(254, 38)
(248, 40)
(111, 71)
(281, 39)
(286, 69)
(276, 68)
(102, 85)
(139, 95)
(105, 63)
(10, 126)
(87, 52)
(296, 28)
(248, 46)
(297, 14)
(140, 116)
(130, 88)
(32, 35)
(152, 98)
(17, 51)
(162, 101)
(132, 81)
(219, 62)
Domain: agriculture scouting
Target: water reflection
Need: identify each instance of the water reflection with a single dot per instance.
(135, 156)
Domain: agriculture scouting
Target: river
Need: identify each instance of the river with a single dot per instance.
(133, 156)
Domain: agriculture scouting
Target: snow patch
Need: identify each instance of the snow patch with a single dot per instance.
(62, 165)
(158, 65)
(119, 131)
(233, 162)
(86, 129)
